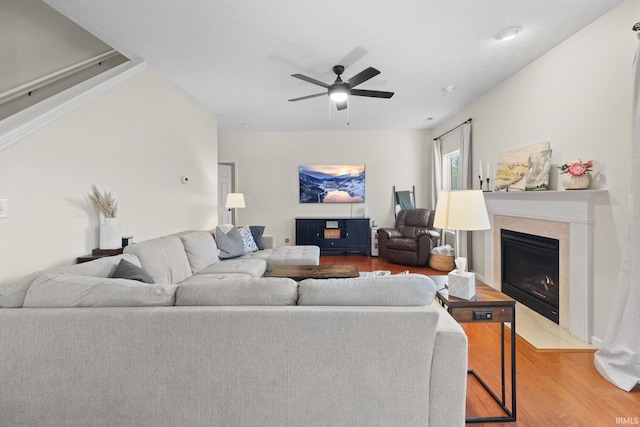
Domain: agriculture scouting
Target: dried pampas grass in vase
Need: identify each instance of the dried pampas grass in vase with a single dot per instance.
(110, 234)
(104, 201)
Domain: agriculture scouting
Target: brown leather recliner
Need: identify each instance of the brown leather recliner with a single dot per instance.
(412, 239)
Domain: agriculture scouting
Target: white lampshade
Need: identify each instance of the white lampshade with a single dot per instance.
(461, 210)
(234, 200)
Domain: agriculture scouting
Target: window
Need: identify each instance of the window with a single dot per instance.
(450, 163)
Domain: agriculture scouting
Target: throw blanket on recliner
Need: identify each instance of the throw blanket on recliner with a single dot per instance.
(404, 200)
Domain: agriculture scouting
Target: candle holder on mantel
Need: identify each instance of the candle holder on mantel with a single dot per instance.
(488, 190)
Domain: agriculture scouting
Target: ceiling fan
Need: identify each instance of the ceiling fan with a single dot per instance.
(339, 91)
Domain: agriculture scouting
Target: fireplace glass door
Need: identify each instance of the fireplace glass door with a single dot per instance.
(530, 271)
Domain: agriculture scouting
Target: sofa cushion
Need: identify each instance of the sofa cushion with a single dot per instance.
(394, 290)
(265, 291)
(252, 267)
(201, 249)
(130, 271)
(71, 290)
(257, 231)
(230, 243)
(164, 258)
(12, 294)
(205, 278)
(403, 244)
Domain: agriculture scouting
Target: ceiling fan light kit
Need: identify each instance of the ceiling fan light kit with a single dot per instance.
(340, 90)
(338, 94)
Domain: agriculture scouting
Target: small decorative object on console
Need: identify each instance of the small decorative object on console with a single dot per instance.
(462, 284)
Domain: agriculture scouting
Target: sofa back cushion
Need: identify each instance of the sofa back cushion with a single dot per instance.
(12, 294)
(203, 290)
(164, 258)
(396, 290)
(201, 249)
(71, 290)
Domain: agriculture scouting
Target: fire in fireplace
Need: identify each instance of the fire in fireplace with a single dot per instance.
(530, 271)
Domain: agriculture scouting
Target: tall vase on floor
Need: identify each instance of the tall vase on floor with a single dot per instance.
(110, 234)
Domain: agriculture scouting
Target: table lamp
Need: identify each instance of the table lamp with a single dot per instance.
(462, 210)
(234, 201)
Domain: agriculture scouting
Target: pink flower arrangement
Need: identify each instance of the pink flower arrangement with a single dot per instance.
(577, 167)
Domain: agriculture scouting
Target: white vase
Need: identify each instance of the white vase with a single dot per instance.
(110, 234)
(570, 182)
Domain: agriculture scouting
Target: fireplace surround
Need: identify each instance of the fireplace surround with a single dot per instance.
(563, 215)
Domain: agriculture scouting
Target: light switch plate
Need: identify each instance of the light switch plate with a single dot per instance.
(4, 208)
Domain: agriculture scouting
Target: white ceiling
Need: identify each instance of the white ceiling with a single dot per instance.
(237, 56)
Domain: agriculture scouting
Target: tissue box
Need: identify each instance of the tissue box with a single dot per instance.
(462, 285)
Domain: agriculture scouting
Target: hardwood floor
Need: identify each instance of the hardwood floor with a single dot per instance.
(554, 388)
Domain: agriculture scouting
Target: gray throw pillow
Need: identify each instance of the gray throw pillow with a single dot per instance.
(127, 270)
(229, 244)
(257, 231)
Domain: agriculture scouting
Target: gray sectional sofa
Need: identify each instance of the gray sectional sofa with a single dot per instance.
(212, 343)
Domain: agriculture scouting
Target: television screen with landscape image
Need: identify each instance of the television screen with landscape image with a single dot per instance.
(332, 183)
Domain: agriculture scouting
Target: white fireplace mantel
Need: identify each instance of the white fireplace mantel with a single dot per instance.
(573, 207)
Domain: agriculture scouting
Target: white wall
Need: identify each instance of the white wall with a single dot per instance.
(135, 140)
(267, 173)
(578, 96)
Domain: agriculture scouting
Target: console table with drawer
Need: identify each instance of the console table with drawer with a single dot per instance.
(335, 235)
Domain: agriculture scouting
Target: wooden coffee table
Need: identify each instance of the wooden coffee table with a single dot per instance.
(301, 272)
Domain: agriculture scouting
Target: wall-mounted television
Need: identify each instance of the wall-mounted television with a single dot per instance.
(331, 183)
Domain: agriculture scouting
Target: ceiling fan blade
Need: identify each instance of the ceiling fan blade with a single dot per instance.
(371, 93)
(307, 97)
(362, 76)
(310, 80)
(356, 54)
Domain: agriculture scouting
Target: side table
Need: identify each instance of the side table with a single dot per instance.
(488, 305)
(99, 253)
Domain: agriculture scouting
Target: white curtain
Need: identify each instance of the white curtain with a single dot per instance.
(619, 358)
(463, 238)
(464, 171)
(436, 172)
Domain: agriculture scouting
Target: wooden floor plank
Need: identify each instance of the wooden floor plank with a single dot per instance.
(554, 388)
